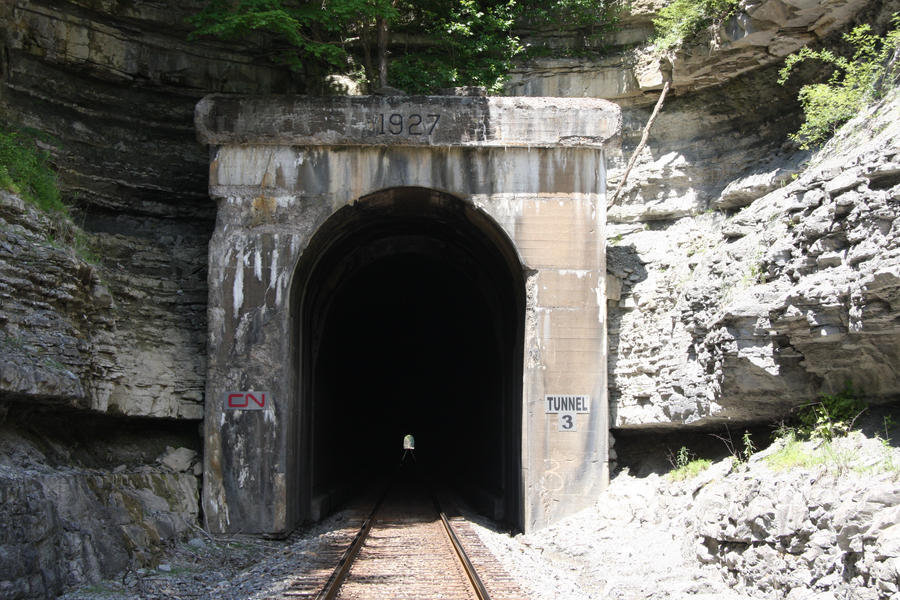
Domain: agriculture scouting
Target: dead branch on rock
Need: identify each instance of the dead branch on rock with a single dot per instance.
(667, 76)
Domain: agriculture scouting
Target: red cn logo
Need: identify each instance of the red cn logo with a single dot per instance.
(246, 400)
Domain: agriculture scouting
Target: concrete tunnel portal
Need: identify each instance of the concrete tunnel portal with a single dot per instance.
(443, 277)
(411, 320)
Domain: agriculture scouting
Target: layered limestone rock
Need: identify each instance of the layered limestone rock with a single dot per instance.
(115, 84)
(119, 328)
(123, 335)
(112, 88)
(744, 317)
(694, 339)
(760, 33)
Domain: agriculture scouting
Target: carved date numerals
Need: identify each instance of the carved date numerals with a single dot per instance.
(399, 124)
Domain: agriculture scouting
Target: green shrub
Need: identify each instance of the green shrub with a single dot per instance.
(832, 416)
(683, 19)
(855, 82)
(25, 170)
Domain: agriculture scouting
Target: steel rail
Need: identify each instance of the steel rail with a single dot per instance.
(329, 592)
(467, 565)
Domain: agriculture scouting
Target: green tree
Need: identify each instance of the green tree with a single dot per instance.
(437, 43)
(308, 37)
(681, 20)
(854, 82)
(467, 42)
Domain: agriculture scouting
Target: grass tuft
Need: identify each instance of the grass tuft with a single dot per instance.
(690, 470)
(25, 170)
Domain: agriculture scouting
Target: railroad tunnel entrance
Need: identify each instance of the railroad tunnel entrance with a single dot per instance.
(444, 276)
(411, 320)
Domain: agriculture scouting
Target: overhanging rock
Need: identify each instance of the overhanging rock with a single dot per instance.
(381, 261)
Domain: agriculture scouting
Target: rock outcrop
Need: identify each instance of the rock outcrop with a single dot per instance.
(119, 326)
(802, 533)
(747, 316)
(760, 34)
(112, 88)
(707, 322)
(84, 499)
(123, 335)
(755, 530)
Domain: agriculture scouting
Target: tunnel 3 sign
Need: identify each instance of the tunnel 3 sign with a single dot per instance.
(567, 406)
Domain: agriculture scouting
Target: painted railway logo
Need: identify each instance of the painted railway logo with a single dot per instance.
(247, 400)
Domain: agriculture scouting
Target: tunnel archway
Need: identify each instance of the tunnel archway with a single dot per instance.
(409, 317)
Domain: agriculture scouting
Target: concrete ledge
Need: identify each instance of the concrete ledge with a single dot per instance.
(437, 121)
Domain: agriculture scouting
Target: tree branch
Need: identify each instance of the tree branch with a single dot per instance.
(668, 82)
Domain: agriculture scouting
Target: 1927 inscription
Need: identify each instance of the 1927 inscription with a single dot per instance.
(402, 124)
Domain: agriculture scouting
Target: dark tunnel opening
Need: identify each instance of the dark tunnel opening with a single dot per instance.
(412, 322)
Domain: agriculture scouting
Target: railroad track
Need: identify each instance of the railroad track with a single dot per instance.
(409, 548)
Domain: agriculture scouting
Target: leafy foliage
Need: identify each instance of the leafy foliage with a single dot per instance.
(832, 416)
(476, 46)
(25, 170)
(303, 33)
(437, 43)
(854, 82)
(682, 19)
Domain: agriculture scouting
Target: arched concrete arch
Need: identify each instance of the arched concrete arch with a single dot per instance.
(436, 348)
(317, 196)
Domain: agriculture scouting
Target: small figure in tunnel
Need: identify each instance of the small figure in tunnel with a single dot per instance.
(409, 446)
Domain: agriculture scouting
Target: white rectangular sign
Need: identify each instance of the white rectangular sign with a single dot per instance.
(567, 404)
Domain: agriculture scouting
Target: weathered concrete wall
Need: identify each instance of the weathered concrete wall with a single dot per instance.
(546, 196)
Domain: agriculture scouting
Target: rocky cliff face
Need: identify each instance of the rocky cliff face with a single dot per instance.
(121, 329)
(742, 280)
(83, 496)
(113, 86)
(68, 340)
(743, 317)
